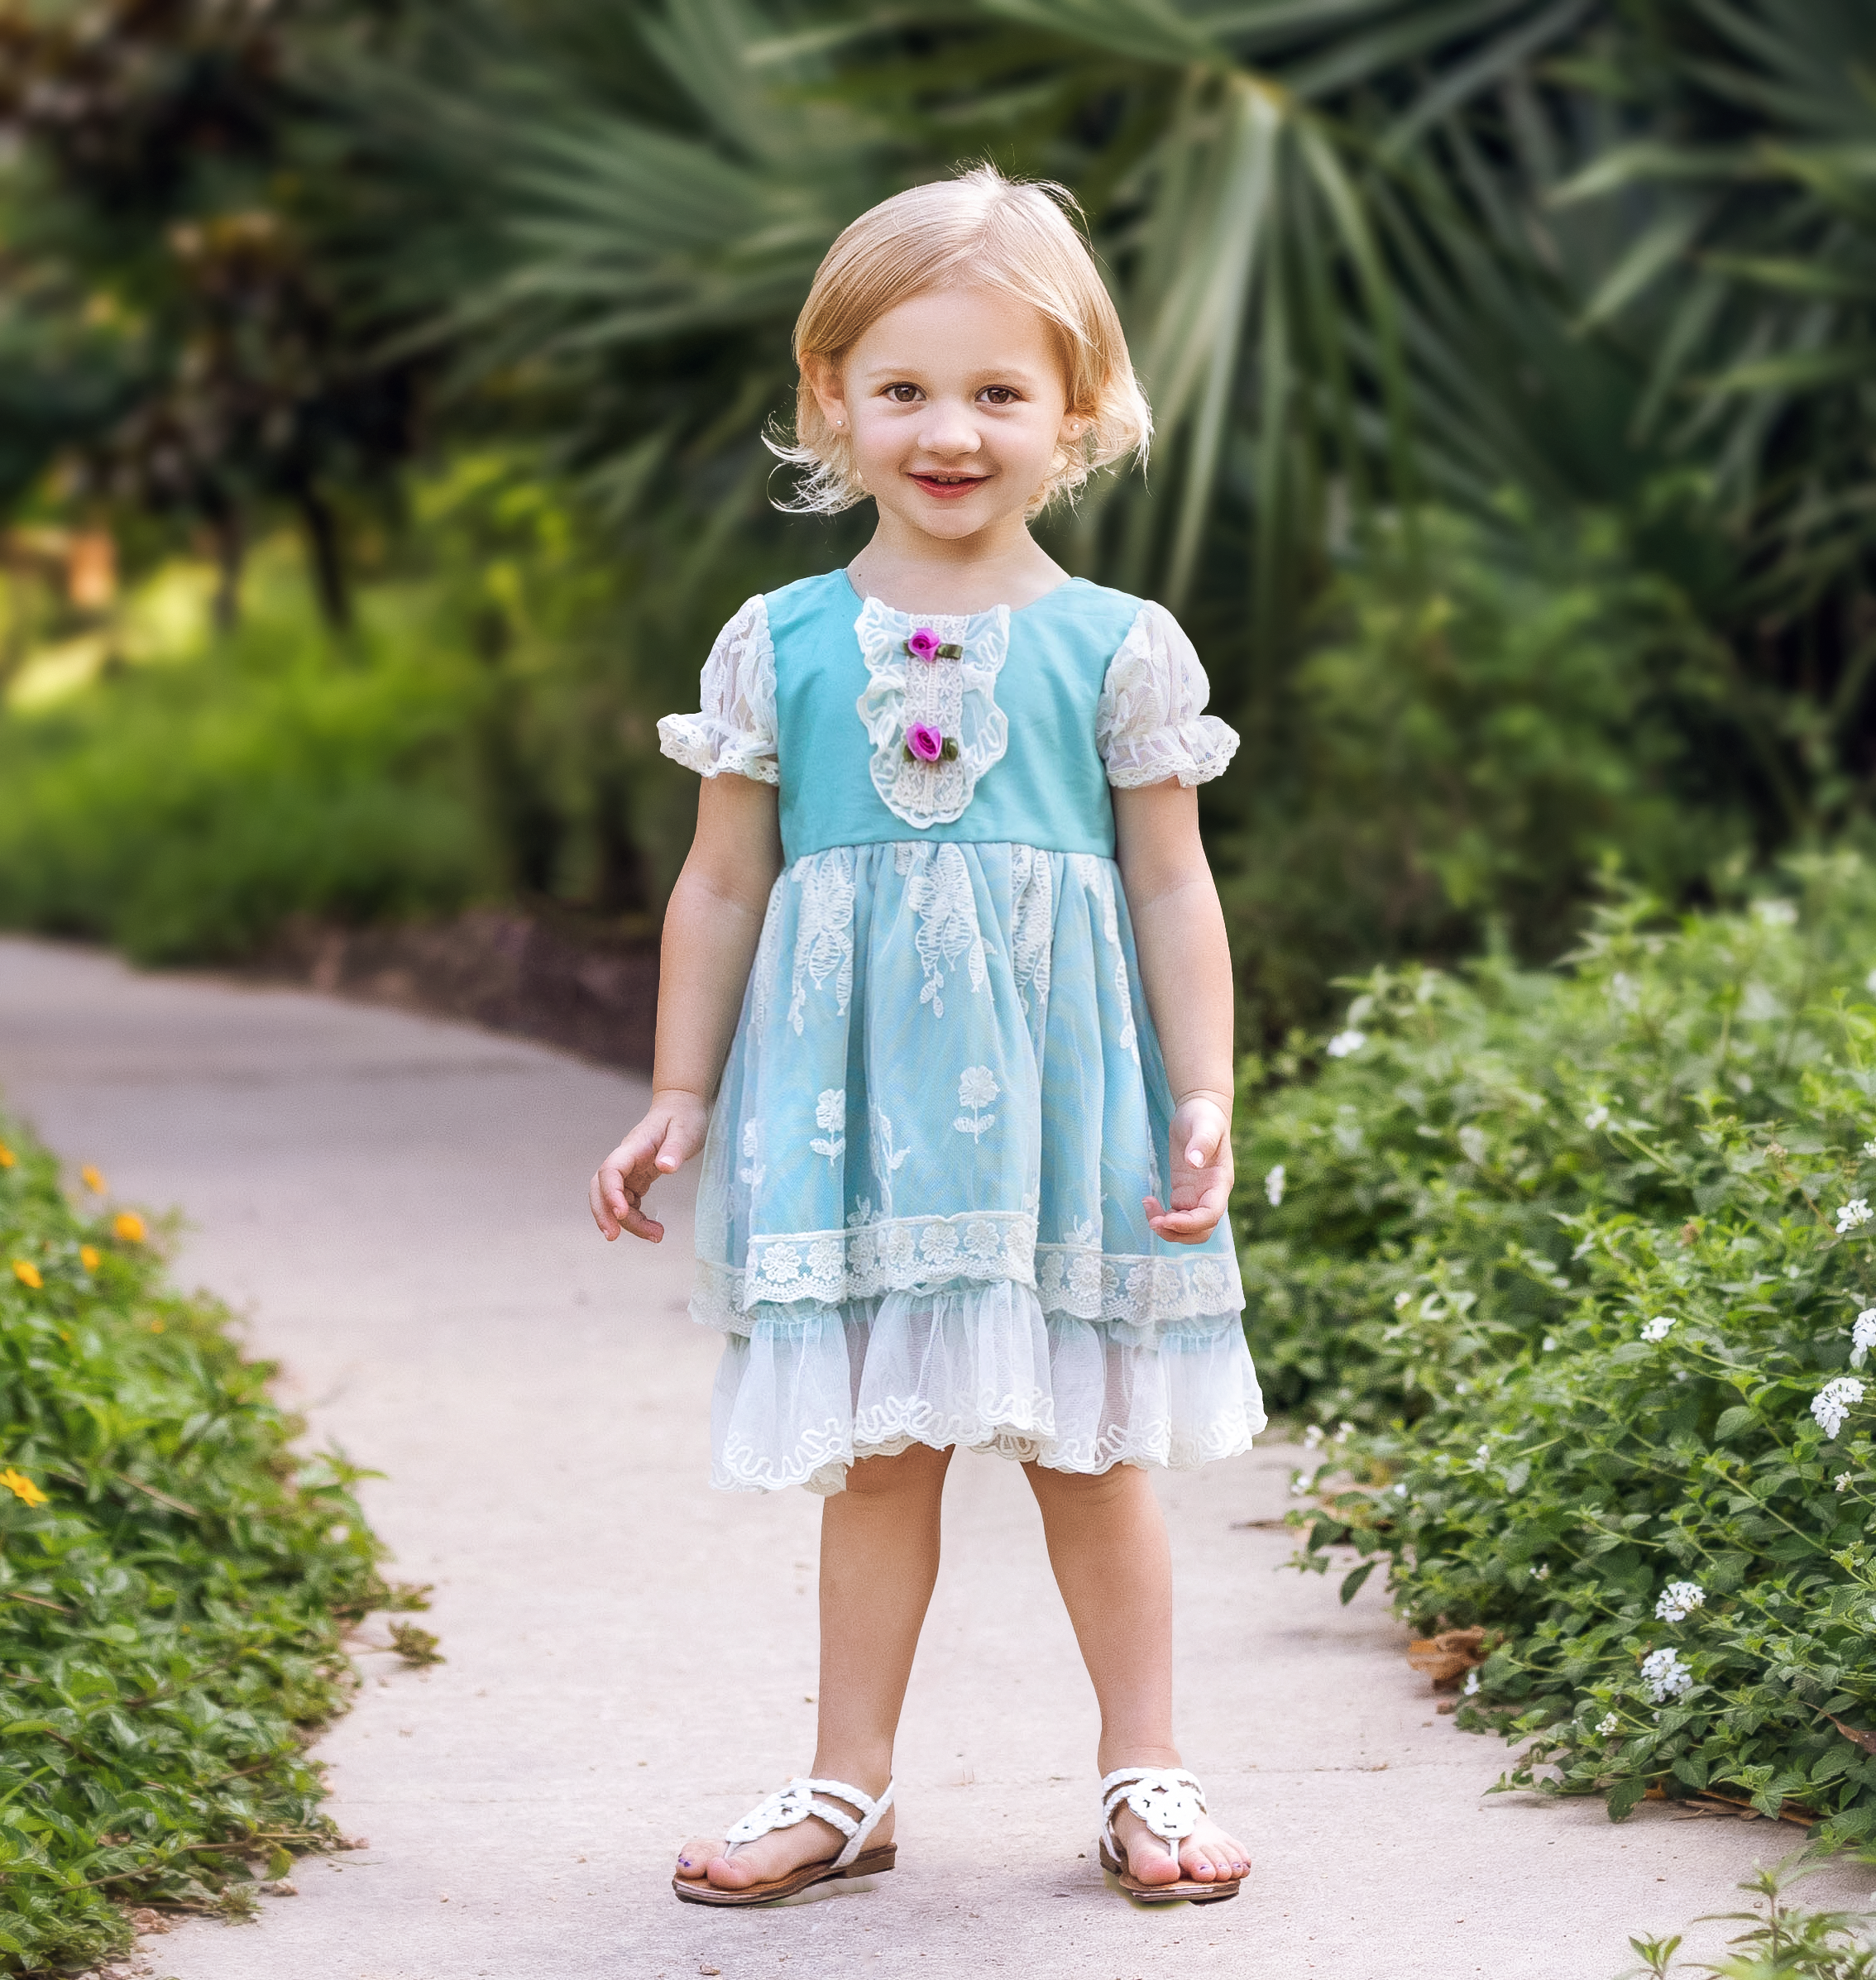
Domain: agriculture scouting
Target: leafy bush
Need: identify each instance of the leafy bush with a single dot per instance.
(182, 811)
(1783, 1941)
(174, 1582)
(1482, 719)
(1580, 1264)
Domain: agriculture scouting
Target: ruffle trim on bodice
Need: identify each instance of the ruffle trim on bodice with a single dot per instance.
(929, 1254)
(955, 696)
(1149, 723)
(810, 1390)
(733, 731)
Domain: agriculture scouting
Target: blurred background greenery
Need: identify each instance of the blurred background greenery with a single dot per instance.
(382, 386)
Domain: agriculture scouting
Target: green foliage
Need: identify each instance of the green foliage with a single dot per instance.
(173, 1582)
(1480, 720)
(1571, 1258)
(1782, 1942)
(181, 810)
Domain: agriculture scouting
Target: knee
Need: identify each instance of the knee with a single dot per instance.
(1086, 1492)
(916, 1471)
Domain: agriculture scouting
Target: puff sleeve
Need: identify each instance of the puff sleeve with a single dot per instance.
(1150, 723)
(733, 731)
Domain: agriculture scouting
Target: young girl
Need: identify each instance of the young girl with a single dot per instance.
(948, 920)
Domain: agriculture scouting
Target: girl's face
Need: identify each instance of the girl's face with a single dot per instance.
(955, 403)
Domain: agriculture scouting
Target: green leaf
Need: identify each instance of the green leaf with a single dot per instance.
(1624, 1797)
(1351, 1582)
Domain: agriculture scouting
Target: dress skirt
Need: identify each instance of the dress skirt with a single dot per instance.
(919, 1216)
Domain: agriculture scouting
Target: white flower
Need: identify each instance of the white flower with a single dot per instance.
(1869, 981)
(1484, 1453)
(977, 1086)
(1400, 1299)
(1608, 1723)
(1843, 1481)
(1597, 1116)
(1549, 1342)
(830, 1111)
(1472, 1683)
(1311, 1437)
(1832, 1402)
(1400, 1491)
(1346, 1044)
(1343, 1432)
(1665, 1675)
(1869, 1147)
(1775, 914)
(1541, 1571)
(1657, 1328)
(1273, 1185)
(1678, 1601)
(1856, 1211)
(1863, 1336)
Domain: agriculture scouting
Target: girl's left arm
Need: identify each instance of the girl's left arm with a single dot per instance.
(1185, 962)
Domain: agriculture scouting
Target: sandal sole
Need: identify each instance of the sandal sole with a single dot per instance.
(868, 1863)
(1188, 1890)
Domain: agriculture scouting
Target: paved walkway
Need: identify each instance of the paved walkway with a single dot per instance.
(397, 1205)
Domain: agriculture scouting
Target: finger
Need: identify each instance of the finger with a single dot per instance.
(602, 1213)
(640, 1225)
(681, 1141)
(1154, 1207)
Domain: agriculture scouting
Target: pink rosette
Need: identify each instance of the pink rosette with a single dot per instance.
(924, 643)
(925, 742)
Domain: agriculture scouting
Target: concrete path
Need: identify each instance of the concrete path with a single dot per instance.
(398, 1206)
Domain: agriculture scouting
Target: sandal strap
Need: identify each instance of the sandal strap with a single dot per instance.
(801, 1799)
(1167, 1798)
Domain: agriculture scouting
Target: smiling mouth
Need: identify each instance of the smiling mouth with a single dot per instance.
(948, 486)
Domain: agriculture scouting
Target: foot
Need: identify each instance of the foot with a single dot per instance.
(703, 1859)
(1209, 1855)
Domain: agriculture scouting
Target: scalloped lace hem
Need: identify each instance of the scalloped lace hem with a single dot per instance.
(808, 1395)
(925, 1254)
(712, 749)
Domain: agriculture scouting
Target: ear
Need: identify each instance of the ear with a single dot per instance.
(830, 395)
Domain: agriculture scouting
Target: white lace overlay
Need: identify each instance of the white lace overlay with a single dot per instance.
(909, 1254)
(1096, 877)
(890, 1254)
(957, 697)
(940, 892)
(733, 731)
(979, 1368)
(824, 937)
(1033, 923)
(1149, 723)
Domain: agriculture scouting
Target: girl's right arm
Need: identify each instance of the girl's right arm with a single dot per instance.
(711, 928)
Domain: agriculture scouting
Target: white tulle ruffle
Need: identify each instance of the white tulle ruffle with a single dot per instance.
(811, 1388)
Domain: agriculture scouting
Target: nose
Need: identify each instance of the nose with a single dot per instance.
(948, 428)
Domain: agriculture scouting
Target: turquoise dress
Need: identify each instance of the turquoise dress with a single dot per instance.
(919, 1219)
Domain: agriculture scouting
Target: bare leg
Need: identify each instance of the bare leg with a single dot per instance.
(878, 1561)
(1107, 1545)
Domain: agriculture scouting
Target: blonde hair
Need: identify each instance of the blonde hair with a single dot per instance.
(981, 229)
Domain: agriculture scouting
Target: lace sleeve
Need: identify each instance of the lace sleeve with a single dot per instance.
(1150, 723)
(734, 729)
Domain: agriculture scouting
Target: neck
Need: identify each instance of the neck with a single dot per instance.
(913, 571)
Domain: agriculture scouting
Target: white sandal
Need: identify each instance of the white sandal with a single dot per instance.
(1170, 1801)
(784, 1808)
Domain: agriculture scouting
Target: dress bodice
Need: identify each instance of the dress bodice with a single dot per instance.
(1036, 711)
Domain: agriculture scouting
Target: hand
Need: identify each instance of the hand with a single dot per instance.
(672, 1132)
(1202, 1172)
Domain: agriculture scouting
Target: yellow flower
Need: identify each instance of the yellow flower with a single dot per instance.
(89, 1257)
(27, 1273)
(129, 1227)
(91, 1179)
(21, 1487)
(8, 1158)
(155, 1326)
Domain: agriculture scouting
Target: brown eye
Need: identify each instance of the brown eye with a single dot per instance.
(901, 395)
(999, 394)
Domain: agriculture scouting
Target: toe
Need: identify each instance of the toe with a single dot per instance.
(730, 1872)
(697, 1852)
(1197, 1862)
